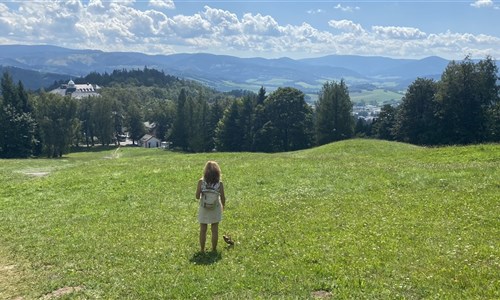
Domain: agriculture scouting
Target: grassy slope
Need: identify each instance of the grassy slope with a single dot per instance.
(362, 219)
(379, 95)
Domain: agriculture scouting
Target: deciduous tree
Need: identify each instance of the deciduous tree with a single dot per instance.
(334, 120)
(291, 118)
(415, 120)
(465, 93)
(57, 119)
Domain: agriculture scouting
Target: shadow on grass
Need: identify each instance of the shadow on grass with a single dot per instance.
(97, 148)
(206, 258)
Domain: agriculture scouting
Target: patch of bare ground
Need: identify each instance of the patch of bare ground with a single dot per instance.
(10, 276)
(115, 154)
(321, 294)
(62, 292)
(37, 174)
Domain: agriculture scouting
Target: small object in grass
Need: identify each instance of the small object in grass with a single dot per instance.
(228, 240)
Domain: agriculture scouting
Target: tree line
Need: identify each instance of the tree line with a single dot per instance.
(461, 108)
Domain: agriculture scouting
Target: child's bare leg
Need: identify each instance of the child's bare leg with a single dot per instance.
(215, 236)
(203, 236)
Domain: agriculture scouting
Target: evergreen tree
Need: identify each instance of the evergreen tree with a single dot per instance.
(199, 134)
(17, 122)
(179, 130)
(363, 128)
(494, 123)
(229, 134)
(334, 119)
(383, 125)
(261, 97)
(246, 121)
(260, 131)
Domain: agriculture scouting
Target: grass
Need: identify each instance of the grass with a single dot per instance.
(379, 96)
(356, 219)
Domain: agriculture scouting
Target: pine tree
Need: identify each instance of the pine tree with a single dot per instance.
(199, 134)
(179, 130)
(229, 134)
(17, 122)
(246, 121)
(383, 125)
(261, 97)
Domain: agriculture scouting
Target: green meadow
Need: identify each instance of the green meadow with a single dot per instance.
(378, 96)
(358, 219)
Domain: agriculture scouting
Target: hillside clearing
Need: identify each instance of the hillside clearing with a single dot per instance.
(354, 219)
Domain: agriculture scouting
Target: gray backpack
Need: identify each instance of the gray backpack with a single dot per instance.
(209, 198)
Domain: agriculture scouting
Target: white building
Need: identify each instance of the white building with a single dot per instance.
(77, 91)
(149, 141)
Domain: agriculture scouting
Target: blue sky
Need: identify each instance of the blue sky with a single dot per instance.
(296, 29)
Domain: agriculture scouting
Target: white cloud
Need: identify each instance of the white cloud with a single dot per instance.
(258, 24)
(3, 8)
(346, 25)
(482, 3)
(189, 26)
(122, 2)
(346, 8)
(315, 11)
(222, 21)
(399, 32)
(169, 4)
(124, 26)
(96, 7)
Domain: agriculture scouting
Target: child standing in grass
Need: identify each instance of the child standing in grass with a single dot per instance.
(210, 185)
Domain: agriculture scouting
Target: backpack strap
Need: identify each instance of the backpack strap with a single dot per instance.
(210, 191)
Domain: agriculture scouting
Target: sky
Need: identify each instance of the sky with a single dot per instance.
(270, 29)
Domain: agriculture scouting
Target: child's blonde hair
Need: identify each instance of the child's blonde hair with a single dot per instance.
(211, 172)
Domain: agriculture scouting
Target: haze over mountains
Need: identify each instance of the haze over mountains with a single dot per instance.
(221, 72)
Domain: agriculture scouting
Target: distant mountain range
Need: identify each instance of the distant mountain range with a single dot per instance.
(44, 64)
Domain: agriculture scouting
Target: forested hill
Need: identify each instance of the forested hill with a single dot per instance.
(33, 80)
(144, 77)
(136, 77)
(225, 72)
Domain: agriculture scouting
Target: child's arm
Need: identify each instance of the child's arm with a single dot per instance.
(222, 196)
(198, 189)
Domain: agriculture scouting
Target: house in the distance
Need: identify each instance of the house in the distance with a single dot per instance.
(77, 91)
(149, 141)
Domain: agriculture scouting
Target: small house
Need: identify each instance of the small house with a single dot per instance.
(149, 141)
